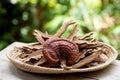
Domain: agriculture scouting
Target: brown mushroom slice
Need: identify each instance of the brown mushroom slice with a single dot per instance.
(24, 51)
(33, 46)
(38, 36)
(63, 28)
(102, 58)
(36, 55)
(41, 61)
(44, 35)
(85, 36)
(94, 63)
(87, 44)
(73, 33)
(54, 49)
(86, 60)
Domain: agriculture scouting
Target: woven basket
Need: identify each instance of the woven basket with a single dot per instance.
(13, 56)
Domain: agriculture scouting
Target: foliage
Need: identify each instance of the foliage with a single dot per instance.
(18, 18)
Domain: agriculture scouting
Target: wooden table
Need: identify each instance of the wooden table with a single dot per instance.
(10, 72)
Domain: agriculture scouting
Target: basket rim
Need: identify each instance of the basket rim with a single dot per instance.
(39, 69)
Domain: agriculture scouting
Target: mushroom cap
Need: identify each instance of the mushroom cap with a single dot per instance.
(59, 48)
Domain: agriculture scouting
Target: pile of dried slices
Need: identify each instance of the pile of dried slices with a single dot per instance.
(57, 54)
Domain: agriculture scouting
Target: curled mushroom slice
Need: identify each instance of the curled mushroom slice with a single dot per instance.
(54, 49)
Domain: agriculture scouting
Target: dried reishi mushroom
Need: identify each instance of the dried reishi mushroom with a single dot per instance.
(67, 53)
(54, 49)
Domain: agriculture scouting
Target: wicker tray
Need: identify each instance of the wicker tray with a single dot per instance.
(13, 57)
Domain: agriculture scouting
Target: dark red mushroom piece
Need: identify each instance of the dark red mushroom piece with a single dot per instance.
(56, 49)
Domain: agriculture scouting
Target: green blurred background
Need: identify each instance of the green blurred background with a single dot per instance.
(18, 18)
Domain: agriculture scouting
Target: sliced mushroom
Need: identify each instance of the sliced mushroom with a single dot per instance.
(36, 55)
(33, 46)
(64, 27)
(86, 60)
(38, 36)
(73, 33)
(61, 48)
(41, 61)
(102, 58)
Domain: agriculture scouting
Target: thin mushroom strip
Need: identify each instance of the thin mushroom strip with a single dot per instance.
(64, 27)
(72, 35)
